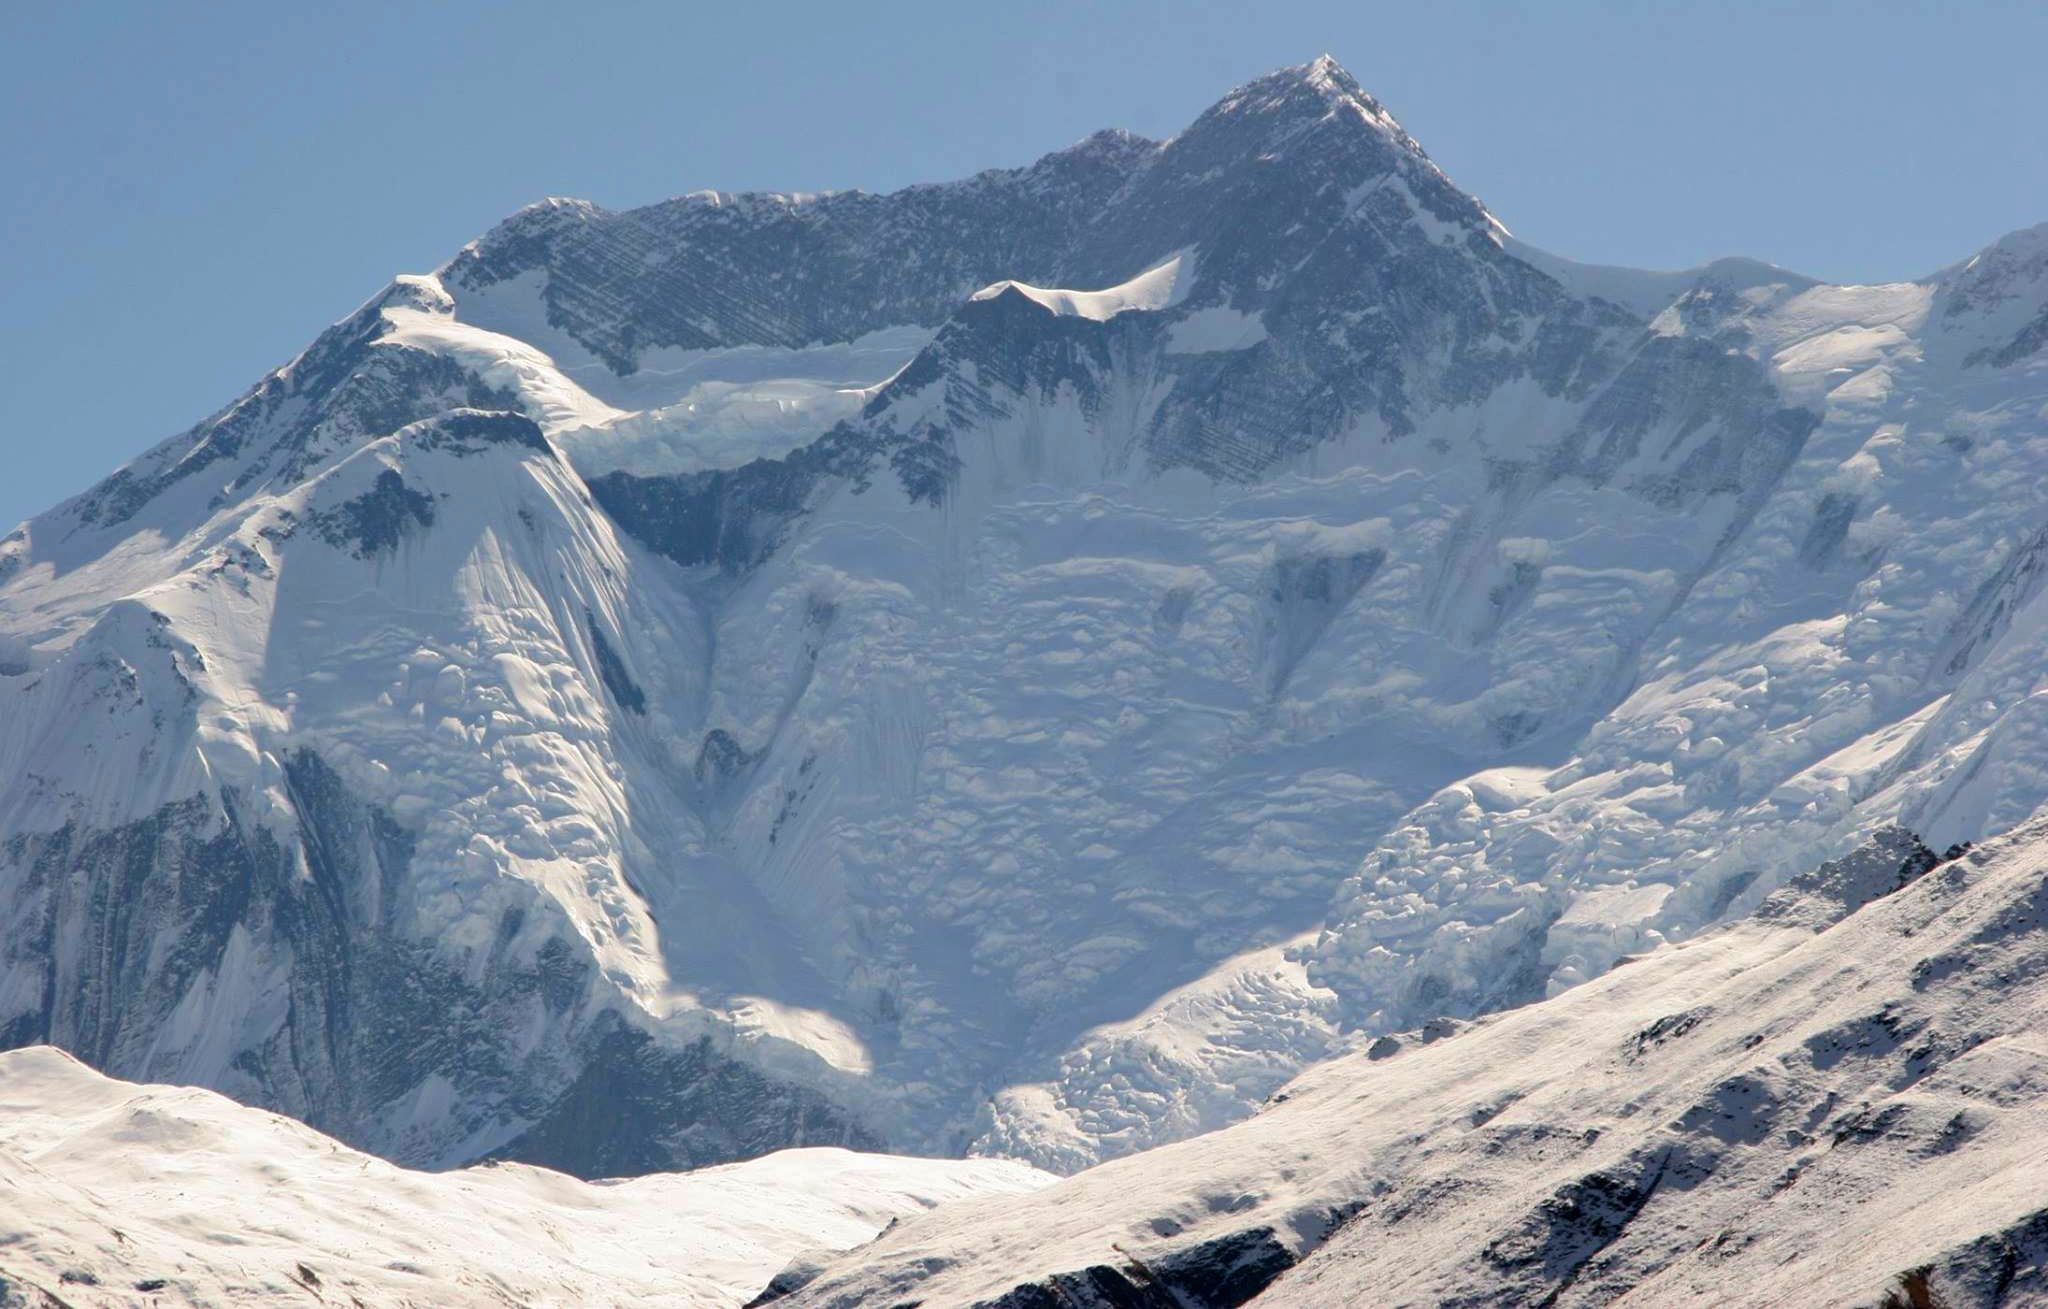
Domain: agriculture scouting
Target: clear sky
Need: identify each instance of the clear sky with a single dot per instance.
(191, 192)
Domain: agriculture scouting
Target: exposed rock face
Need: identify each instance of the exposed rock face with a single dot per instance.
(714, 269)
(152, 926)
(926, 669)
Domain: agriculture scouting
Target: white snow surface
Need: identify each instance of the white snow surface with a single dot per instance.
(108, 1187)
(681, 411)
(1159, 287)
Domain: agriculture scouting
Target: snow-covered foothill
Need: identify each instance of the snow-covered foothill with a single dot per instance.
(113, 1193)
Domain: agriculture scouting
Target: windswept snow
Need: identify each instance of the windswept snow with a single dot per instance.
(1160, 287)
(115, 1194)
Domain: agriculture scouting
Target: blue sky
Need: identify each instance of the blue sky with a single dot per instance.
(194, 191)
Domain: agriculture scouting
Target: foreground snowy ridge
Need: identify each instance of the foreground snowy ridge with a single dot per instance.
(117, 1194)
(1791, 1111)
(1022, 666)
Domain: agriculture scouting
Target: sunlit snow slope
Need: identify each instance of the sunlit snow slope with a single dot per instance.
(1023, 665)
(1800, 1109)
(118, 1194)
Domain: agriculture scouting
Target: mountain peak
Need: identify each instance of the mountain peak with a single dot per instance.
(1323, 76)
(1325, 71)
(1302, 95)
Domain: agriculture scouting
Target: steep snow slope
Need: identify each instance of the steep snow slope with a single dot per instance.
(1792, 1110)
(116, 1194)
(922, 669)
(321, 770)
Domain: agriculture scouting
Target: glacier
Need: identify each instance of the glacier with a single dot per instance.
(1022, 666)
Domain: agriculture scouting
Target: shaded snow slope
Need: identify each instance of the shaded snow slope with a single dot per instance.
(1862, 654)
(707, 665)
(114, 1194)
(1793, 1110)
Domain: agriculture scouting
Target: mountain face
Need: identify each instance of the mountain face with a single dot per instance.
(1021, 666)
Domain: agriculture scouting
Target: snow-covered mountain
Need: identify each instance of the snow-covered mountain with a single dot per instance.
(1022, 666)
(113, 1194)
